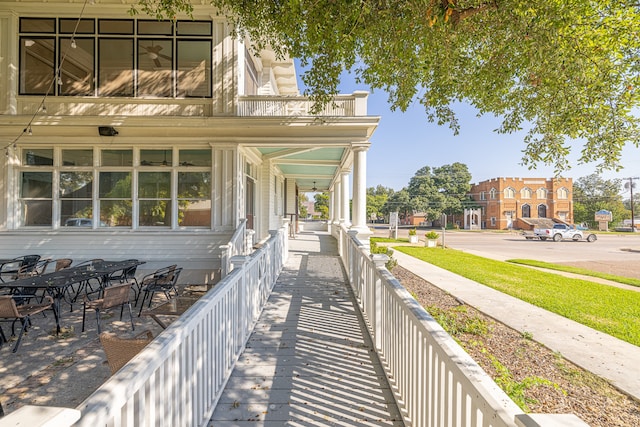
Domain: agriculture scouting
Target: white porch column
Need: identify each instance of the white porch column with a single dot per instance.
(337, 215)
(345, 216)
(359, 188)
(332, 206)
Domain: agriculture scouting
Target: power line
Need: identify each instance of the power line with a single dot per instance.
(57, 79)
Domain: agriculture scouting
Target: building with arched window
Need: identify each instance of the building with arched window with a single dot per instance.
(521, 203)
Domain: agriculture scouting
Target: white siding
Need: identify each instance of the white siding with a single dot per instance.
(197, 253)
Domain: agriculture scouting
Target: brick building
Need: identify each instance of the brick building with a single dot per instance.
(520, 202)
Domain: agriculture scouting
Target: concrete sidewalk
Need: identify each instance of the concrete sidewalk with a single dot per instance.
(604, 355)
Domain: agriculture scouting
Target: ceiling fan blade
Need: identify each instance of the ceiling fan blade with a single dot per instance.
(168, 58)
(157, 62)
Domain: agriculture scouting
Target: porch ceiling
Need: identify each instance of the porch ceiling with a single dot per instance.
(311, 167)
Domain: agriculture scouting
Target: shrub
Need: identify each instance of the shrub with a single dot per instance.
(432, 235)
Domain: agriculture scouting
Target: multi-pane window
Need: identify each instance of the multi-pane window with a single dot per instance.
(75, 185)
(541, 193)
(509, 193)
(563, 193)
(525, 193)
(250, 75)
(36, 187)
(492, 193)
(115, 57)
(115, 199)
(194, 188)
(115, 187)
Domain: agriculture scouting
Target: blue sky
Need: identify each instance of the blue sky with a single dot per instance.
(405, 142)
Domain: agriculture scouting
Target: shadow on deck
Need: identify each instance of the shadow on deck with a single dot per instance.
(309, 360)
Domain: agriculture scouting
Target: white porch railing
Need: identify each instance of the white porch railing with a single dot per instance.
(178, 378)
(237, 246)
(435, 381)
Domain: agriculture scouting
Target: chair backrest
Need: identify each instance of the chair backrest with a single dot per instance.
(29, 260)
(165, 277)
(30, 270)
(120, 350)
(63, 263)
(174, 276)
(8, 309)
(124, 274)
(116, 295)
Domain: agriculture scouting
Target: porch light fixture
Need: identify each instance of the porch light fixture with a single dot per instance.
(107, 131)
(314, 188)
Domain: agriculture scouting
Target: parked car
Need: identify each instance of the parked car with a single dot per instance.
(81, 222)
(78, 222)
(560, 232)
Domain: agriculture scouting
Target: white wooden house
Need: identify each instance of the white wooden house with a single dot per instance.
(163, 137)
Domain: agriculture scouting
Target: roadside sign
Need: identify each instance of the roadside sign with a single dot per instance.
(603, 215)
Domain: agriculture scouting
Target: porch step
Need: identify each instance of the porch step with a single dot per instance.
(309, 361)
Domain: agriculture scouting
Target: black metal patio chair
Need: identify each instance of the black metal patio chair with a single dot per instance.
(10, 312)
(113, 296)
(162, 280)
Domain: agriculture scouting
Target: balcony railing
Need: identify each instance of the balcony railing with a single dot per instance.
(247, 106)
(280, 106)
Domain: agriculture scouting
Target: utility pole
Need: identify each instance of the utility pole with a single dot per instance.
(630, 186)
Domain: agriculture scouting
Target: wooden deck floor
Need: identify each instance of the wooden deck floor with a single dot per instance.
(309, 361)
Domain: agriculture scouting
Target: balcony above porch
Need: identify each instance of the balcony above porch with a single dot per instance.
(244, 106)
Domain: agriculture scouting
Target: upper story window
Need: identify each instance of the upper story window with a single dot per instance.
(541, 193)
(509, 193)
(492, 193)
(115, 57)
(525, 193)
(483, 195)
(250, 75)
(563, 193)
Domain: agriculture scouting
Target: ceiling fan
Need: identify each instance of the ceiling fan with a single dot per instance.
(154, 54)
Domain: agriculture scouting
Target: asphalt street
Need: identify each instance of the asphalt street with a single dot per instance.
(617, 248)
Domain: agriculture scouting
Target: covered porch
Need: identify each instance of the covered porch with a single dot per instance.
(305, 331)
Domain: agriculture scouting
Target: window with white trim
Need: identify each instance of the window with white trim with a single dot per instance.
(115, 57)
(563, 193)
(541, 193)
(509, 193)
(131, 188)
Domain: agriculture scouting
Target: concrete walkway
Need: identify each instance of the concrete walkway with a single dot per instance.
(602, 354)
(309, 361)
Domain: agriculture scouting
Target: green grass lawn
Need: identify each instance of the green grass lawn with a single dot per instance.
(606, 308)
(583, 271)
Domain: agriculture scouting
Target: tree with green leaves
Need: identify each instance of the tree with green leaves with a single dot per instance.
(592, 193)
(399, 201)
(440, 190)
(302, 205)
(321, 204)
(566, 70)
(376, 199)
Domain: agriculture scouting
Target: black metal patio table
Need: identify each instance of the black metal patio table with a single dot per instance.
(57, 284)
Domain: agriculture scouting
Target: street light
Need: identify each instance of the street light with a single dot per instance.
(630, 186)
